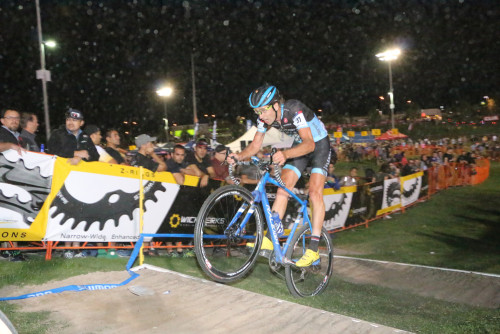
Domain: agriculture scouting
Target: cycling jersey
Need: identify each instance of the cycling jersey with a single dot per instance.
(296, 115)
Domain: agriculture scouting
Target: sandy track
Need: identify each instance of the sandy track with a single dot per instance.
(192, 305)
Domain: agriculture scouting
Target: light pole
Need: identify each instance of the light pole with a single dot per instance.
(42, 73)
(389, 56)
(164, 92)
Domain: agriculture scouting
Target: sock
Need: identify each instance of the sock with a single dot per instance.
(314, 244)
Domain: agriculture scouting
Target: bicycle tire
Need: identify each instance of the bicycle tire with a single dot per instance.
(225, 259)
(309, 281)
(5, 325)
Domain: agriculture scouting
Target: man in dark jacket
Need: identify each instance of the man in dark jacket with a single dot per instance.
(9, 137)
(29, 125)
(69, 141)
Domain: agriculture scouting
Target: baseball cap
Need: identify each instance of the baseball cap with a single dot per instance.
(220, 148)
(143, 139)
(201, 142)
(91, 128)
(73, 113)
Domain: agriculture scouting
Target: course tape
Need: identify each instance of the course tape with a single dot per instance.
(91, 287)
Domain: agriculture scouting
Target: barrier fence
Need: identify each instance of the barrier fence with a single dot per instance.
(46, 202)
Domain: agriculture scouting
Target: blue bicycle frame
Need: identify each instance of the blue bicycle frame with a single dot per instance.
(260, 196)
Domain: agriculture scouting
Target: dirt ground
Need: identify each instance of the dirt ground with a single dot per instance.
(183, 304)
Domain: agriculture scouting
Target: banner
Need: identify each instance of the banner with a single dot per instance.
(43, 197)
(337, 206)
(100, 202)
(410, 188)
(392, 196)
(25, 182)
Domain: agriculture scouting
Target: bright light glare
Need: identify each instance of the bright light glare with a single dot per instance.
(50, 44)
(389, 55)
(164, 91)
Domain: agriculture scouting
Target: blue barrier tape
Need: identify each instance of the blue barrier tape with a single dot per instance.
(91, 287)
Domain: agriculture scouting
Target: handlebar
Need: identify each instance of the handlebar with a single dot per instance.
(263, 165)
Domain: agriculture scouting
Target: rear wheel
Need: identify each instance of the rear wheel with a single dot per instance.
(312, 280)
(220, 248)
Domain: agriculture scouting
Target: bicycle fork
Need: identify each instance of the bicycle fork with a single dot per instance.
(232, 230)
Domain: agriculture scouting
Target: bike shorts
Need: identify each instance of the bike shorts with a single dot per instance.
(319, 159)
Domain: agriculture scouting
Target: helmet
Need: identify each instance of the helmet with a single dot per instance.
(263, 96)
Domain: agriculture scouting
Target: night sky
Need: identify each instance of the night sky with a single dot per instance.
(113, 55)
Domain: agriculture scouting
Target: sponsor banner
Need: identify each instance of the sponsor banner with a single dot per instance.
(392, 196)
(25, 183)
(100, 202)
(337, 206)
(185, 208)
(410, 188)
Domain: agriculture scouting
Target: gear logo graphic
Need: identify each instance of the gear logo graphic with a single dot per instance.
(175, 220)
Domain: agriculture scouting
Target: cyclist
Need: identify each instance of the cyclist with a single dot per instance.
(311, 146)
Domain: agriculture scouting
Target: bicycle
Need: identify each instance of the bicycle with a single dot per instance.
(232, 216)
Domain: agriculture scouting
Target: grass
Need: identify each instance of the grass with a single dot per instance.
(457, 228)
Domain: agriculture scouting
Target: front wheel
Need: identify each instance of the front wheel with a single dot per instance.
(312, 280)
(221, 234)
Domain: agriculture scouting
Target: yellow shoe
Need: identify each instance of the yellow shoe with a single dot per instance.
(266, 244)
(307, 259)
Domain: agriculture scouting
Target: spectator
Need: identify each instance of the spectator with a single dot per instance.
(219, 166)
(146, 156)
(384, 172)
(332, 181)
(436, 159)
(351, 179)
(394, 170)
(113, 146)
(177, 164)
(29, 125)
(9, 139)
(409, 168)
(199, 163)
(425, 162)
(448, 156)
(370, 175)
(95, 135)
(69, 141)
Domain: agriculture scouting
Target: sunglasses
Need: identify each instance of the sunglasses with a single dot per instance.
(261, 110)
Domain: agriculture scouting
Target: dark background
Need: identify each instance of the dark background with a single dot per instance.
(113, 55)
